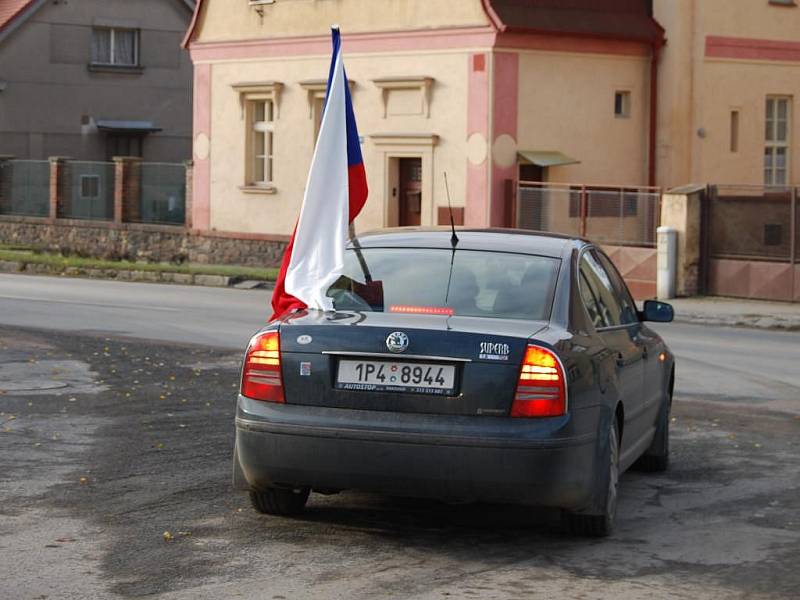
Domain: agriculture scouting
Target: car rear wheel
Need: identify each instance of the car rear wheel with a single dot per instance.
(601, 523)
(656, 457)
(279, 501)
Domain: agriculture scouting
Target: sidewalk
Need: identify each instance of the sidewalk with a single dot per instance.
(735, 312)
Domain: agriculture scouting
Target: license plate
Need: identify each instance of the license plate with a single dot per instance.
(386, 376)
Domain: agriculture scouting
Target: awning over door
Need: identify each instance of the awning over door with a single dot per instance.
(127, 126)
(545, 158)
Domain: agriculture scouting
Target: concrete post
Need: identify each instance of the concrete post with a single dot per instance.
(60, 196)
(666, 259)
(127, 189)
(680, 211)
(189, 165)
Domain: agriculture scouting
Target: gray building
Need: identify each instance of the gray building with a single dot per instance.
(92, 79)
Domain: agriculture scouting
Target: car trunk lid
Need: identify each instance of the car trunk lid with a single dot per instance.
(484, 366)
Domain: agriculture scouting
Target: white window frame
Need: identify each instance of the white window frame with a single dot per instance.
(251, 95)
(261, 159)
(112, 33)
(772, 144)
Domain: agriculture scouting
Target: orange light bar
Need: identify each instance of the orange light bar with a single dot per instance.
(422, 310)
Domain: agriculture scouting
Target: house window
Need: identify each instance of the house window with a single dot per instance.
(260, 119)
(784, 2)
(115, 46)
(123, 144)
(90, 187)
(734, 131)
(260, 104)
(776, 150)
(319, 108)
(622, 104)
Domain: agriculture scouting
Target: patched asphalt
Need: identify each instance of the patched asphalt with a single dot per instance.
(106, 444)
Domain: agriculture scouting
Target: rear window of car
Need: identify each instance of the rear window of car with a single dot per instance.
(468, 283)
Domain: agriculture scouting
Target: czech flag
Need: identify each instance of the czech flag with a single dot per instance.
(336, 191)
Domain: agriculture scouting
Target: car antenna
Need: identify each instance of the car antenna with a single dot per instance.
(454, 237)
(453, 242)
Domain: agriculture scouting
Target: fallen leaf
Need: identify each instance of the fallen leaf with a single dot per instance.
(11, 417)
(185, 533)
(167, 536)
(83, 480)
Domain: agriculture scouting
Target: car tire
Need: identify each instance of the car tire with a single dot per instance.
(600, 523)
(656, 457)
(280, 501)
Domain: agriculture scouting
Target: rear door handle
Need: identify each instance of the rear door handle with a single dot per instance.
(620, 359)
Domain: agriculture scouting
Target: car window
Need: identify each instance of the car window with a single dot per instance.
(599, 285)
(465, 283)
(628, 308)
(589, 296)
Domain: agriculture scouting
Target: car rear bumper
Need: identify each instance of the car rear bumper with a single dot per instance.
(542, 462)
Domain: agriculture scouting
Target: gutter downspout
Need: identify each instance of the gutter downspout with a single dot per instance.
(651, 171)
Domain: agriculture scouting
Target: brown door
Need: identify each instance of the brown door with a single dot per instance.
(410, 201)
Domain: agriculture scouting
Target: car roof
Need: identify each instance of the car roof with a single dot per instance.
(494, 239)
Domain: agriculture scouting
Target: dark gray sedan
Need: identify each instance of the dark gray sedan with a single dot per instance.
(500, 366)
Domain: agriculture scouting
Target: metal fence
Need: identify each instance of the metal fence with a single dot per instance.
(148, 192)
(25, 188)
(91, 191)
(754, 223)
(163, 193)
(620, 216)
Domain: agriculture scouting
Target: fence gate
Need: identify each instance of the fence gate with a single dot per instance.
(753, 243)
(623, 220)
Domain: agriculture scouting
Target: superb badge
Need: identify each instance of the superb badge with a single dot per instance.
(397, 341)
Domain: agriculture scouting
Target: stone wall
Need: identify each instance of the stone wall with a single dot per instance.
(138, 242)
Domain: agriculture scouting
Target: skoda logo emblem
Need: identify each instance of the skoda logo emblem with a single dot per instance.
(397, 341)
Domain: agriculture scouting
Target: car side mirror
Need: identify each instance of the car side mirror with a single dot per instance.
(658, 312)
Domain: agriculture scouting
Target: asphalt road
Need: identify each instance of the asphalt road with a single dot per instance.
(738, 366)
(107, 442)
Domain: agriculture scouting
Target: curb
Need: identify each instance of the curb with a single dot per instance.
(763, 322)
(200, 279)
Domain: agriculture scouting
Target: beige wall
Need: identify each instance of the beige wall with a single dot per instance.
(228, 20)
(699, 92)
(675, 139)
(233, 209)
(747, 18)
(566, 103)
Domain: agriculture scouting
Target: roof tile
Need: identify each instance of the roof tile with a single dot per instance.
(9, 9)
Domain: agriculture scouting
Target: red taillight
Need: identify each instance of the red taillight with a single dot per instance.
(541, 389)
(261, 375)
